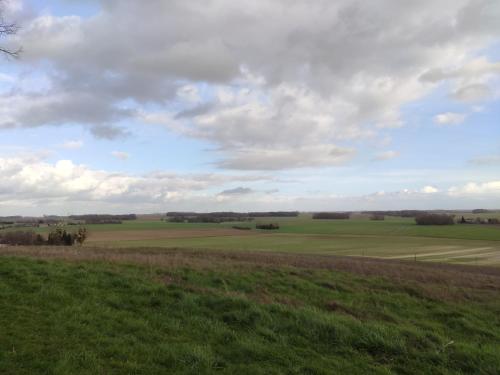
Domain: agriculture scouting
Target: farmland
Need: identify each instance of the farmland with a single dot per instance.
(313, 297)
(394, 238)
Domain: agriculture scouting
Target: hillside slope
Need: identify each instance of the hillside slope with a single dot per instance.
(156, 311)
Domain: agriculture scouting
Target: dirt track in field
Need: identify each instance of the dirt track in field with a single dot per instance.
(139, 235)
(475, 250)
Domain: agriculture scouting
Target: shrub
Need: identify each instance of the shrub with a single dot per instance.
(241, 227)
(270, 226)
(60, 237)
(493, 220)
(177, 219)
(332, 215)
(39, 240)
(377, 217)
(434, 219)
(26, 238)
(81, 235)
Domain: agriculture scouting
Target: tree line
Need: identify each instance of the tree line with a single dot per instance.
(220, 217)
(331, 215)
(56, 237)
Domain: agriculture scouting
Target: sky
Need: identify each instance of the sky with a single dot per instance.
(119, 106)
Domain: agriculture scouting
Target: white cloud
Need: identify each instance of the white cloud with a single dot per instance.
(386, 155)
(120, 155)
(472, 81)
(72, 144)
(473, 92)
(477, 189)
(254, 75)
(33, 186)
(45, 184)
(449, 118)
(429, 189)
(275, 159)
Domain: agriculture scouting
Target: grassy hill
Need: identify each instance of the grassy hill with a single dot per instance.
(157, 311)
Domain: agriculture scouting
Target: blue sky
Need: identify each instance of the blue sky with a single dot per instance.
(231, 105)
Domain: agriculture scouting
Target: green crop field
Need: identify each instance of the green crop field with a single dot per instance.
(392, 238)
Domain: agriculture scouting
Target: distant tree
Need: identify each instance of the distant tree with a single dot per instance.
(81, 235)
(60, 237)
(55, 236)
(26, 238)
(332, 215)
(68, 239)
(270, 226)
(39, 240)
(434, 219)
(7, 29)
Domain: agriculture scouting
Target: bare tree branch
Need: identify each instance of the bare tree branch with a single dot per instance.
(7, 29)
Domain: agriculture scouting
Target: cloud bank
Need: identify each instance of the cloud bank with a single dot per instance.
(271, 85)
(32, 185)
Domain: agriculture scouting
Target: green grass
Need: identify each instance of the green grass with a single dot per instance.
(375, 246)
(393, 237)
(393, 227)
(398, 227)
(96, 318)
(141, 225)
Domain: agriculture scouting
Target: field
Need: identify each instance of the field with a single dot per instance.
(152, 297)
(156, 311)
(394, 238)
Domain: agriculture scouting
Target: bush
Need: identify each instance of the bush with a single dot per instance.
(60, 237)
(332, 215)
(434, 219)
(177, 219)
(26, 238)
(81, 235)
(240, 227)
(270, 226)
(377, 217)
